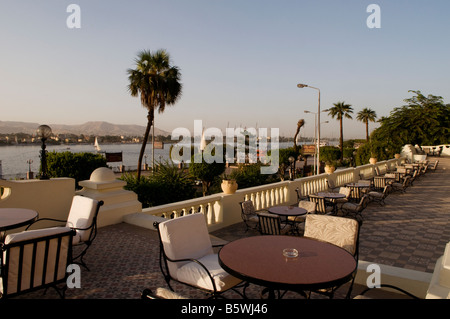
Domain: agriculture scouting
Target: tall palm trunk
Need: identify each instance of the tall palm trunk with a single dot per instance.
(150, 117)
(367, 130)
(341, 140)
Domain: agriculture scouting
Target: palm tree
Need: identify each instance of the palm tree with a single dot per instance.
(157, 83)
(339, 111)
(365, 116)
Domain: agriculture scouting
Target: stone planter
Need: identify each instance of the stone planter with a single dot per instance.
(373, 160)
(229, 186)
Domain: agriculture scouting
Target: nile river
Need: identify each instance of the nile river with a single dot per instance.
(14, 159)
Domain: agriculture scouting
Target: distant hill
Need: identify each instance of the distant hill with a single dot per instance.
(89, 128)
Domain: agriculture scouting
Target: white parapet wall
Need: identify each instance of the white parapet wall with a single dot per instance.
(413, 281)
(50, 198)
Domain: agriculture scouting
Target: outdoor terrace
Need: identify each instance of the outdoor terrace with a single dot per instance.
(408, 234)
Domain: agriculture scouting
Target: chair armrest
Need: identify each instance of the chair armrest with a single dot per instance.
(198, 263)
(45, 219)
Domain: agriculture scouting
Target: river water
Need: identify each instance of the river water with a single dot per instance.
(14, 159)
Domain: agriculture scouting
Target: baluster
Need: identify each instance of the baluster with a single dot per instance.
(258, 200)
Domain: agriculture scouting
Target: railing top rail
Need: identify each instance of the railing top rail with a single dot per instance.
(184, 204)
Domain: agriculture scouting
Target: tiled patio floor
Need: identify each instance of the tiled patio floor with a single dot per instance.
(410, 232)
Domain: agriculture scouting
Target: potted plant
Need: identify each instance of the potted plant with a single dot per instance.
(373, 156)
(329, 167)
(229, 185)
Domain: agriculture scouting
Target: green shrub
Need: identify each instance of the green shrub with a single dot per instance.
(249, 175)
(330, 154)
(75, 165)
(206, 172)
(168, 184)
(283, 160)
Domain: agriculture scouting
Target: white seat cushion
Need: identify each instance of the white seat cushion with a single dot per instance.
(192, 273)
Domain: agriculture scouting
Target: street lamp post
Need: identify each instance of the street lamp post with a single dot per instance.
(318, 125)
(291, 168)
(44, 132)
(315, 138)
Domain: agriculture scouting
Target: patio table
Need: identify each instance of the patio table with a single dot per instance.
(260, 260)
(331, 195)
(286, 211)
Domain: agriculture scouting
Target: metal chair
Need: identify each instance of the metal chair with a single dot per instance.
(270, 224)
(187, 256)
(379, 197)
(300, 196)
(332, 186)
(35, 259)
(433, 166)
(321, 207)
(250, 215)
(340, 231)
(160, 293)
(355, 210)
(83, 219)
(401, 187)
(299, 220)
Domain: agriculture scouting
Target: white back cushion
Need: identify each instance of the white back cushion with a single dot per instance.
(81, 215)
(185, 237)
(340, 231)
(14, 258)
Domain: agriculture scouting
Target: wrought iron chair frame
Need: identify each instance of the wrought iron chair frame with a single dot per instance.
(244, 216)
(164, 267)
(270, 224)
(321, 206)
(4, 265)
(331, 291)
(86, 243)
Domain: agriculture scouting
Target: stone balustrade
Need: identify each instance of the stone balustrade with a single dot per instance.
(220, 210)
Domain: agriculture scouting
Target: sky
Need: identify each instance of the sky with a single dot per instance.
(240, 60)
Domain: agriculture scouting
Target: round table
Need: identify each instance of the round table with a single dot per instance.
(16, 217)
(287, 211)
(260, 260)
(331, 195)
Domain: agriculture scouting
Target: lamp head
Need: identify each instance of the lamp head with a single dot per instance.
(301, 86)
(44, 131)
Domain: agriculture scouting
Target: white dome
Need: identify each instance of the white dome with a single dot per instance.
(103, 174)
